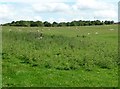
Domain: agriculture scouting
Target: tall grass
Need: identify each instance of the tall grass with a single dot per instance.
(60, 49)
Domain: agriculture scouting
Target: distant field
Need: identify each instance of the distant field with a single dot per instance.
(65, 56)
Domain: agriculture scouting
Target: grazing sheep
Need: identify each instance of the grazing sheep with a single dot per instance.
(76, 28)
(19, 30)
(40, 37)
(38, 31)
(10, 30)
(111, 29)
(88, 33)
(96, 32)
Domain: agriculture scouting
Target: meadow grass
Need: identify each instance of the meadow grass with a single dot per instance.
(64, 56)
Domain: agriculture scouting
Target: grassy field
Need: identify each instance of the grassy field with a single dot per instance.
(64, 56)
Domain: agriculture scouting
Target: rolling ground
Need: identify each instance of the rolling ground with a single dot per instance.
(64, 56)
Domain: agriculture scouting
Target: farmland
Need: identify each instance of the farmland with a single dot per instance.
(84, 56)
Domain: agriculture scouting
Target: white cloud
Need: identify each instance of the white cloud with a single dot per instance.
(51, 19)
(51, 7)
(62, 20)
(95, 8)
(34, 1)
(92, 5)
(5, 11)
(38, 18)
(106, 14)
(53, 10)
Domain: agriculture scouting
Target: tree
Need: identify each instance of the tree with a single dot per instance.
(54, 24)
(72, 23)
(39, 24)
(97, 22)
(62, 24)
(107, 22)
(47, 24)
(68, 24)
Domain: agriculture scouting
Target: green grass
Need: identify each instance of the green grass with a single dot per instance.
(65, 56)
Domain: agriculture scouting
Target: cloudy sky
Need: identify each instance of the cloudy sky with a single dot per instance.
(58, 10)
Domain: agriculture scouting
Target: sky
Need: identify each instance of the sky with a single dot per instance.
(58, 10)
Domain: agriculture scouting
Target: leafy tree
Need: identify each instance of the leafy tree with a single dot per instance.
(68, 24)
(62, 24)
(47, 24)
(72, 23)
(39, 24)
(54, 24)
(108, 22)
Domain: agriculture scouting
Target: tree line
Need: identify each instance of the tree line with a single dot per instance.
(55, 24)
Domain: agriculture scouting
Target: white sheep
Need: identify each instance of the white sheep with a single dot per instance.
(38, 31)
(111, 29)
(76, 28)
(19, 30)
(40, 37)
(88, 33)
(10, 30)
(96, 32)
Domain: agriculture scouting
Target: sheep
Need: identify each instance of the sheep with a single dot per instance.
(10, 30)
(19, 30)
(38, 31)
(96, 32)
(111, 29)
(88, 33)
(76, 28)
(40, 37)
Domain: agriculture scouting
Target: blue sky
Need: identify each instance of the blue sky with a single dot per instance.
(58, 10)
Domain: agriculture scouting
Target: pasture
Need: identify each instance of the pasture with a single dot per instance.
(85, 56)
